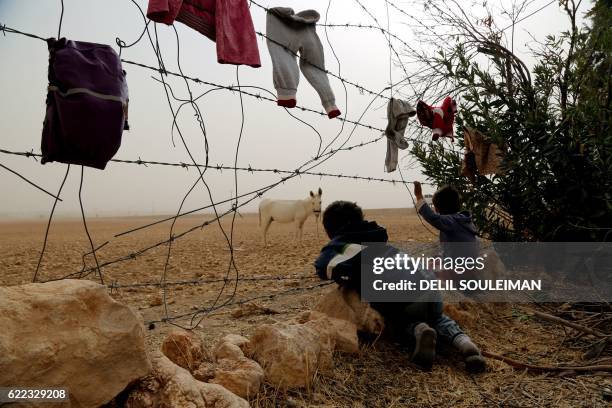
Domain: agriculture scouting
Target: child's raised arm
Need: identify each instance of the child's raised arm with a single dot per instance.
(418, 191)
(441, 222)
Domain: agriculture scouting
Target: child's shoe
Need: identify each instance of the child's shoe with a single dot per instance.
(474, 361)
(425, 346)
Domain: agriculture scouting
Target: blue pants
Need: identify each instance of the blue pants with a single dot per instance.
(446, 329)
(404, 317)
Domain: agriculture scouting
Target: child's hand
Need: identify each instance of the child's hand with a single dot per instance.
(418, 191)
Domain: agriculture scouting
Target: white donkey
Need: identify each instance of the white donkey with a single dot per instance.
(286, 211)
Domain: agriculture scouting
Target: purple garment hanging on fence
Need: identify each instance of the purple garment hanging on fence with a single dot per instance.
(86, 104)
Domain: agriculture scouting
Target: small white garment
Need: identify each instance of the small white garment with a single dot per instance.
(398, 112)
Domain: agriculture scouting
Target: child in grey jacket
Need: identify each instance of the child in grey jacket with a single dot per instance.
(458, 234)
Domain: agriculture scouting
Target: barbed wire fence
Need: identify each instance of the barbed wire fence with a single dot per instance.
(238, 199)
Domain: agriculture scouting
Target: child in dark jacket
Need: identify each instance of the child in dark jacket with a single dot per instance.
(421, 323)
(458, 234)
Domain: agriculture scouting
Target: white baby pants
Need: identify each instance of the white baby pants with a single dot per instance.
(303, 39)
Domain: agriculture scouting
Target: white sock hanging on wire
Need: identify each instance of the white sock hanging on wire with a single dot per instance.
(398, 112)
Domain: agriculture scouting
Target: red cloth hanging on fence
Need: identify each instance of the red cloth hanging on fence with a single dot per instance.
(227, 22)
(438, 118)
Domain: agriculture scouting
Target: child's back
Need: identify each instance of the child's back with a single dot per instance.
(340, 260)
(458, 234)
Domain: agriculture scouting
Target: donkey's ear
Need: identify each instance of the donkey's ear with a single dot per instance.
(320, 191)
(311, 194)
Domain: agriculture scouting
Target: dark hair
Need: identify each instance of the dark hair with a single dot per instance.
(339, 214)
(447, 200)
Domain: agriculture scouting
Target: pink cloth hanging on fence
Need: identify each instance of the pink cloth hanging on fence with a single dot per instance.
(438, 118)
(227, 22)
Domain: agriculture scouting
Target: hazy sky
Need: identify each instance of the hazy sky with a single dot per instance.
(271, 138)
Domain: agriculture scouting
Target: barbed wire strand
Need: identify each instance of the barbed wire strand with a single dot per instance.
(234, 212)
(392, 50)
(183, 141)
(84, 256)
(190, 101)
(44, 246)
(59, 28)
(235, 203)
(197, 282)
(93, 249)
(243, 301)
(248, 169)
(390, 55)
(29, 181)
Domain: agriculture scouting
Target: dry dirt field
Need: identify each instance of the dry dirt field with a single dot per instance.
(380, 377)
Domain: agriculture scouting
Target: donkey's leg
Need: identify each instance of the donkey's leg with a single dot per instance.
(266, 225)
(296, 234)
(301, 230)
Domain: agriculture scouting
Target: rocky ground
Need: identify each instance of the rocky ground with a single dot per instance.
(379, 376)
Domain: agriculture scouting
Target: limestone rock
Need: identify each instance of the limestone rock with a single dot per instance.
(291, 354)
(227, 350)
(345, 304)
(71, 334)
(235, 339)
(172, 386)
(241, 376)
(343, 332)
(184, 349)
(205, 371)
(234, 371)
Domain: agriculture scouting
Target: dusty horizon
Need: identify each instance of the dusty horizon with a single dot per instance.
(77, 217)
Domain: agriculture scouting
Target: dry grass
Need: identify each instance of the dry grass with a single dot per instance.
(380, 377)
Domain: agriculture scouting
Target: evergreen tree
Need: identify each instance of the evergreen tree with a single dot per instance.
(551, 121)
